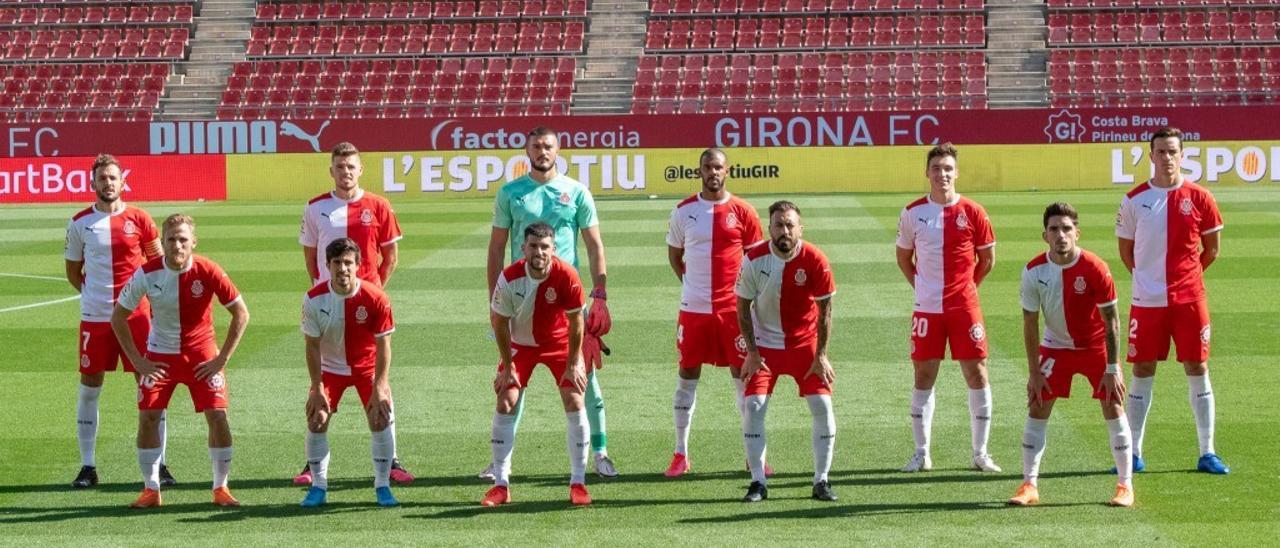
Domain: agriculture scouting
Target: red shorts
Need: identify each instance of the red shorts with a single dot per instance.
(792, 361)
(962, 330)
(710, 338)
(99, 350)
(1151, 328)
(335, 385)
(1060, 364)
(525, 358)
(210, 393)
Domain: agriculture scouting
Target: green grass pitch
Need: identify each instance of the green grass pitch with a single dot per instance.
(443, 365)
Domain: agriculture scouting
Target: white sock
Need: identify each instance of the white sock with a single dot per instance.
(221, 459)
(1201, 395)
(1033, 442)
(980, 418)
(922, 418)
(740, 387)
(754, 435)
(391, 425)
(686, 399)
(503, 443)
(577, 442)
(1121, 450)
(1140, 395)
(149, 464)
(318, 458)
(87, 423)
(824, 434)
(383, 446)
(163, 428)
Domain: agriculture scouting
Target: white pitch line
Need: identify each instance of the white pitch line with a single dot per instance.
(34, 305)
(33, 276)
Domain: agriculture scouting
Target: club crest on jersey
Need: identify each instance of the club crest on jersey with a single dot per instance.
(129, 228)
(216, 382)
(1080, 285)
(362, 314)
(977, 332)
(1204, 335)
(551, 295)
(197, 288)
(731, 220)
(564, 198)
(1185, 206)
(366, 217)
(801, 277)
(740, 343)
(962, 221)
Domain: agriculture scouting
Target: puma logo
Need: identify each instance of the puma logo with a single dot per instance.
(290, 129)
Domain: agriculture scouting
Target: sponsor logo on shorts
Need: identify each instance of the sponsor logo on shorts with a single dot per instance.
(731, 220)
(1080, 285)
(740, 343)
(216, 382)
(366, 217)
(962, 221)
(801, 277)
(1204, 335)
(84, 362)
(197, 288)
(550, 295)
(1185, 206)
(129, 228)
(977, 333)
(1133, 350)
(362, 314)
(680, 333)
(147, 382)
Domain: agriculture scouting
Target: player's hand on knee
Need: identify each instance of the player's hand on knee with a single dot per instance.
(576, 374)
(1113, 386)
(1037, 385)
(151, 369)
(506, 378)
(318, 409)
(380, 409)
(211, 368)
(822, 368)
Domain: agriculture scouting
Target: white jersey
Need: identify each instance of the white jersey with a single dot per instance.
(713, 236)
(181, 303)
(1070, 296)
(348, 326)
(111, 246)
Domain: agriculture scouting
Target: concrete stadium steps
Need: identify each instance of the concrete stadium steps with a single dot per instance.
(1016, 54)
(615, 41)
(221, 32)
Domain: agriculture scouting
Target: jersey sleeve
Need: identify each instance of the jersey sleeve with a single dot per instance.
(390, 226)
(310, 321)
(983, 235)
(1210, 217)
(150, 232)
(571, 288)
(746, 286)
(223, 286)
(310, 235)
(133, 291)
(675, 230)
(384, 324)
(1028, 293)
(824, 285)
(906, 231)
(502, 303)
(1126, 223)
(586, 216)
(752, 232)
(1106, 286)
(74, 249)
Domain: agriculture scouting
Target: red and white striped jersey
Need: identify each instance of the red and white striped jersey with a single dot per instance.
(368, 219)
(538, 308)
(1165, 225)
(348, 326)
(1069, 297)
(946, 239)
(111, 246)
(713, 236)
(181, 303)
(783, 311)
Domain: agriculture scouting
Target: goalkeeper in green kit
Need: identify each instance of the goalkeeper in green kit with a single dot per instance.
(546, 195)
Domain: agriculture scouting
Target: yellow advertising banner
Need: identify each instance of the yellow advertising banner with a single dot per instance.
(437, 174)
